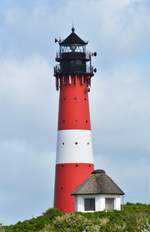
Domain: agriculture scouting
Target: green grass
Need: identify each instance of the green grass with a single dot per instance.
(132, 218)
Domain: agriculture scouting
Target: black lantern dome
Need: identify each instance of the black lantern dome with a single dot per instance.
(72, 56)
(72, 39)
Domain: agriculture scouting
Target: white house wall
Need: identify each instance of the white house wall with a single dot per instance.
(118, 201)
(99, 202)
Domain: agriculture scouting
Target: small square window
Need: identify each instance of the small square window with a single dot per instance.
(89, 204)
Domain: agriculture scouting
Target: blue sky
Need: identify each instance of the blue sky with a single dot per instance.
(120, 110)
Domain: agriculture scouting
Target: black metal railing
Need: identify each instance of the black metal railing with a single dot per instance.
(58, 71)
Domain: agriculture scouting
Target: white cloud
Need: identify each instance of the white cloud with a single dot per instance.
(28, 105)
(114, 27)
(27, 87)
(122, 98)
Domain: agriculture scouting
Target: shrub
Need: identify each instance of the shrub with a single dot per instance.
(52, 213)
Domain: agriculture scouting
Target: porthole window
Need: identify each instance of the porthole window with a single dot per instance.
(76, 143)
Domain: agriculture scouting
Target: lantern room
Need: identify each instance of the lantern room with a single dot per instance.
(73, 57)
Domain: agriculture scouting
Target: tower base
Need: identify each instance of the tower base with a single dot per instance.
(67, 178)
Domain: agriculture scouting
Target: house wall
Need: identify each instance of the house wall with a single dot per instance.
(118, 201)
(99, 202)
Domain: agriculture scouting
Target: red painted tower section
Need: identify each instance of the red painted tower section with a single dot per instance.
(74, 104)
(74, 158)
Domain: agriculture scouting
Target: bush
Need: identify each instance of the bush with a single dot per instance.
(52, 213)
(35, 224)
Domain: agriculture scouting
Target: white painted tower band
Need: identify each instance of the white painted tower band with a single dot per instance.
(74, 146)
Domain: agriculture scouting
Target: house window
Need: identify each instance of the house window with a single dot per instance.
(109, 203)
(89, 204)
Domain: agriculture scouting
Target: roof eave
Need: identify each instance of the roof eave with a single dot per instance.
(78, 44)
(121, 194)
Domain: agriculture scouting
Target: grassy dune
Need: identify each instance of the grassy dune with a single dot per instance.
(132, 218)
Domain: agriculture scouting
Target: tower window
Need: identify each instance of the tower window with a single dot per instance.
(86, 121)
(75, 98)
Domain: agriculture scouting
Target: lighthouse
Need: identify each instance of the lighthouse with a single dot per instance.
(74, 155)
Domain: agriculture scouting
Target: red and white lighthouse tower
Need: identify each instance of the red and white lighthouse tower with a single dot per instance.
(74, 158)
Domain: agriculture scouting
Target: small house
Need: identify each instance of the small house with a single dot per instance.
(97, 193)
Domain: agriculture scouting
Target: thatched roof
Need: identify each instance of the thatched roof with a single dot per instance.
(98, 183)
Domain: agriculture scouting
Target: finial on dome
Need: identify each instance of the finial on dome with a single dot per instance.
(73, 29)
